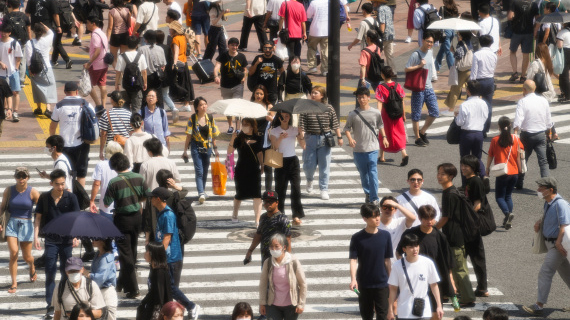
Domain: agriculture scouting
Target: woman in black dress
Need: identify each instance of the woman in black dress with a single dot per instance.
(159, 287)
(248, 167)
(261, 97)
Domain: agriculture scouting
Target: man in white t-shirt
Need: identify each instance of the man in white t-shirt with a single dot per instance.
(364, 26)
(147, 14)
(318, 11)
(413, 275)
(490, 26)
(10, 59)
(394, 226)
(134, 96)
(67, 115)
(415, 197)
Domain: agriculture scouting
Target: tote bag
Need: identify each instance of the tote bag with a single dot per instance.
(273, 158)
(219, 177)
(416, 80)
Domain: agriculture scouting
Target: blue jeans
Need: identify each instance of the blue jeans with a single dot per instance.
(166, 98)
(201, 165)
(504, 186)
(366, 163)
(445, 50)
(175, 269)
(317, 153)
(52, 251)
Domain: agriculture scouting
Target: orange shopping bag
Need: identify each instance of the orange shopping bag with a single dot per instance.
(219, 177)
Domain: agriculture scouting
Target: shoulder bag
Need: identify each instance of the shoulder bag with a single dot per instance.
(284, 33)
(467, 61)
(411, 203)
(500, 169)
(119, 138)
(367, 124)
(329, 137)
(539, 243)
(273, 158)
(453, 133)
(416, 80)
(5, 217)
(109, 57)
(540, 79)
(521, 154)
(419, 304)
(143, 25)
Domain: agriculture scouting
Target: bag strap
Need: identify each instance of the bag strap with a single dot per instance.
(367, 124)
(152, 14)
(109, 119)
(320, 124)
(406, 273)
(130, 186)
(102, 42)
(411, 202)
(511, 148)
(255, 156)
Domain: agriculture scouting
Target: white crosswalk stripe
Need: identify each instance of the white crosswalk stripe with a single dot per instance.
(213, 274)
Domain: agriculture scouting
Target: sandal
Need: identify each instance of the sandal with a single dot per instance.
(33, 277)
(12, 289)
(514, 77)
(297, 221)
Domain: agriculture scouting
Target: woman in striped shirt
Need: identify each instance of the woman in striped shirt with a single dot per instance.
(114, 122)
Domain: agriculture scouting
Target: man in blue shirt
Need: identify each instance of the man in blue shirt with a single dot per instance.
(556, 218)
(167, 233)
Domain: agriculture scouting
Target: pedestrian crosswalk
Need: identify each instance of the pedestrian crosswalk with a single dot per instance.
(213, 274)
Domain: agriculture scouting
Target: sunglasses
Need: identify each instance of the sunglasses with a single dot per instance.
(388, 208)
(21, 176)
(416, 180)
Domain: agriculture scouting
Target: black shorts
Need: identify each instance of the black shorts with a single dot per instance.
(118, 40)
(79, 158)
(79, 14)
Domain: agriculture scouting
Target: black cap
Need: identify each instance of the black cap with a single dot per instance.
(161, 193)
(270, 195)
(70, 86)
(115, 95)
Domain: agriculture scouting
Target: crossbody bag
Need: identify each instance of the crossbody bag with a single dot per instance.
(500, 169)
(329, 137)
(119, 138)
(367, 124)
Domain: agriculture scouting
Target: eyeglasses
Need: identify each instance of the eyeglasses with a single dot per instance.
(388, 208)
(21, 176)
(418, 180)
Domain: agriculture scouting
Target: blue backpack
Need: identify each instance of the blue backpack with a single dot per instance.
(89, 129)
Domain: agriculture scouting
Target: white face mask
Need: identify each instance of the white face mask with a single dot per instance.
(276, 253)
(47, 151)
(539, 194)
(295, 67)
(74, 277)
(247, 130)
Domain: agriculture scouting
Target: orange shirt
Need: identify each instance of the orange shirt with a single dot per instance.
(180, 41)
(188, 13)
(501, 154)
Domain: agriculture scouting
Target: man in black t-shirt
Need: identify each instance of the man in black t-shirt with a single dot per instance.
(266, 68)
(449, 224)
(5, 101)
(231, 66)
(522, 14)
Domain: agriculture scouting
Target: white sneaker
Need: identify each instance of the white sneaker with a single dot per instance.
(186, 108)
(202, 198)
(408, 40)
(175, 115)
(446, 113)
(309, 186)
(196, 312)
(324, 195)
(312, 70)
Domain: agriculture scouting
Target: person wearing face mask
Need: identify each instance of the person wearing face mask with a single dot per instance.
(282, 286)
(242, 311)
(249, 167)
(64, 299)
(552, 226)
(294, 82)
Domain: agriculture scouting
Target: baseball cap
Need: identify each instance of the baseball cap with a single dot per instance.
(160, 192)
(21, 170)
(70, 86)
(73, 263)
(549, 182)
(270, 195)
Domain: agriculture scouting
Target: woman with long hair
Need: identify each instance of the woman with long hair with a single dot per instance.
(201, 133)
(118, 28)
(505, 148)
(115, 121)
(294, 83)
(160, 288)
(248, 167)
(172, 311)
(283, 136)
(19, 200)
(543, 63)
(44, 88)
(394, 128)
(447, 11)
(261, 97)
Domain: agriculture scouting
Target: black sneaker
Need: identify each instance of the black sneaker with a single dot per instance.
(133, 295)
(420, 142)
(47, 113)
(514, 77)
(424, 137)
(38, 111)
(68, 64)
(76, 42)
(509, 221)
(49, 313)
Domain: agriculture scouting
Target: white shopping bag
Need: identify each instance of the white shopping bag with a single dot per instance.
(84, 83)
(281, 50)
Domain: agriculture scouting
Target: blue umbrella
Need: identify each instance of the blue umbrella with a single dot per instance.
(83, 225)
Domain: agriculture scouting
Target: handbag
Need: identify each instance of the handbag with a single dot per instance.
(284, 33)
(467, 61)
(109, 58)
(230, 165)
(281, 50)
(273, 23)
(119, 138)
(419, 304)
(500, 169)
(557, 59)
(273, 158)
(453, 133)
(551, 155)
(538, 243)
(522, 168)
(84, 86)
(453, 79)
(416, 80)
(540, 80)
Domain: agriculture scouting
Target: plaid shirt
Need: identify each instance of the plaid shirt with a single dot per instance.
(193, 130)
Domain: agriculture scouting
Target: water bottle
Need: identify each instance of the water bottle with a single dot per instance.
(455, 303)
(348, 27)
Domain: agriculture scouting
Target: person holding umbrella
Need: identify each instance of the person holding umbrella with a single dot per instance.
(20, 199)
(51, 205)
(201, 133)
(315, 128)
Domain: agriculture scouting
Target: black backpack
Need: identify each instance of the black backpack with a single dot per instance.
(469, 220)
(375, 26)
(132, 77)
(185, 218)
(376, 64)
(37, 63)
(430, 16)
(65, 14)
(394, 105)
(19, 30)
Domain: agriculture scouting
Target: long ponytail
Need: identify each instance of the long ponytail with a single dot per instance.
(505, 137)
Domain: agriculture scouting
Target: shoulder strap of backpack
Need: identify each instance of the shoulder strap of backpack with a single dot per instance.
(137, 58)
(127, 61)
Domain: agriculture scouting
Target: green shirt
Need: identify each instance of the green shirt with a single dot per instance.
(119, 192)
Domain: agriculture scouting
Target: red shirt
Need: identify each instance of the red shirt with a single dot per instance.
(382, 93)
(296, 15)
(365, 56)
(501, 154)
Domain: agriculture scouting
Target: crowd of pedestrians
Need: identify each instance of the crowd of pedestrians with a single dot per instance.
(412, 254)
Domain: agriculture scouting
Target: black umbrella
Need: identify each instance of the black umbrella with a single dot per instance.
(83, 225)
(555, 17)
(300, 106)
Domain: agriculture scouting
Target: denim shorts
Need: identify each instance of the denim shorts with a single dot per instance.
(14, 81)
(201, 25)
(23, 229)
